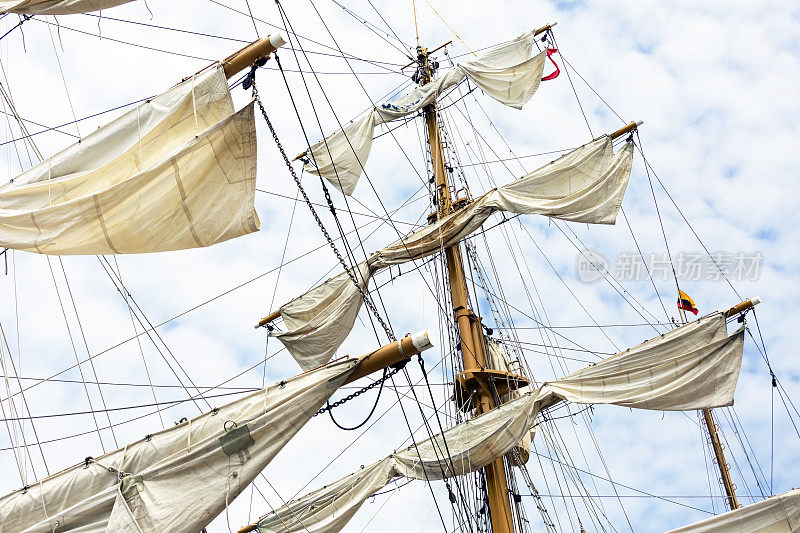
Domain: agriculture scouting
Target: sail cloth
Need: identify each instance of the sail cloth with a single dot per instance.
(685, 369)
(175, 172)
(56, 7)
(180, 478)
(331, 507)
(509, 73)
(692, 367)
(585, 185)
(319, 321)
(778, 514)
(471, 446)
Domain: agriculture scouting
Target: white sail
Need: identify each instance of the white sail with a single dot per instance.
(778, 514)
(329, 509)
(180, 478)
(692, 367)
(56, 7)
(508, 73)
(585, 185)
(471, 446)
(175, 172)
(319, 321)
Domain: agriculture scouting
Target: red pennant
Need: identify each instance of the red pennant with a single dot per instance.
(554, 75)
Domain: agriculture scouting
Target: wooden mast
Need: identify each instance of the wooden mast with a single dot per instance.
(711, 426)
(473, 344)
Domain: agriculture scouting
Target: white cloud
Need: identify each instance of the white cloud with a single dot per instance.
(715, 84)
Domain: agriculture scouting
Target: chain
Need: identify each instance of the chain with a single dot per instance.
(361, 391)
(368, 301)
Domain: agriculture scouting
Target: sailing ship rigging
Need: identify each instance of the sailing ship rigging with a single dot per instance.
(179, 171)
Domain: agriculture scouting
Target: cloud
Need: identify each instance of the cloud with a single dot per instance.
(713, 83)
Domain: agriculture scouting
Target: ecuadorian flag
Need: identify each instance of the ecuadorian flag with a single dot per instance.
(686, 303)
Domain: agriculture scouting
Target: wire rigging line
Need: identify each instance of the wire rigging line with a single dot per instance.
(107, 410)
(75, 351)
(86, 345)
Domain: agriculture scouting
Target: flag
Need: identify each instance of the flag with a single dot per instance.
(686, 303)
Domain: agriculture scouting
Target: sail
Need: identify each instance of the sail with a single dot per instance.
(175, 172)
(585, 185)
(180, 478)
(692, 367)
(778, 514)
(330, 508)
(319, 321)
(471, 445)
(56, 7)
(509, 73)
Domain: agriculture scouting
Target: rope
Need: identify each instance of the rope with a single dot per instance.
(367, 300)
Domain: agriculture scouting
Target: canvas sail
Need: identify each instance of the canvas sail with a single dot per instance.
(509, 73)
(175, 172)
(585, 185)
(319, 321)
(180, 478)
(692, 367)
(778, 514)
(692, 373)
(56, 7)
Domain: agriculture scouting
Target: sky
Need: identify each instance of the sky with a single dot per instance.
(716, 86)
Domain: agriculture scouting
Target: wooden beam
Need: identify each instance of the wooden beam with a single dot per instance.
(626, 129)
(429, 53)
(544, 28)
(391, 354)
(381, 358)
(267, 319)
(744, 306)
(251, 53)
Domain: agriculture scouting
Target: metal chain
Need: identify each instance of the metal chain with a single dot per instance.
(367, 300)
(361, 391)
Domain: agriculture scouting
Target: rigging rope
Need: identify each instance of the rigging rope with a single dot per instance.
(367, 300)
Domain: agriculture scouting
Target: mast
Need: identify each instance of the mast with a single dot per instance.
(725, 473)
(473, 350)
(711, 426)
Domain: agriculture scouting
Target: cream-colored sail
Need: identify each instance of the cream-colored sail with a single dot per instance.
(692, 367)
(56, 7)
(180, 478)
(319, 321)
(509, 73)
(778, 514)
(585, 185)
(471, 446)
(175, 172)
(330, 508)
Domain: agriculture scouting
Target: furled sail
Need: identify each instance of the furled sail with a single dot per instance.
(778, 514)
(330, 508)
(692, 367)
(471, 446)
(175, 172)
(508, 73)
(319, 321)
(180, 478)
(56, 7)
(585, 185)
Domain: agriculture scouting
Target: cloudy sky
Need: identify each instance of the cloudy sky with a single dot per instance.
(716, 86)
